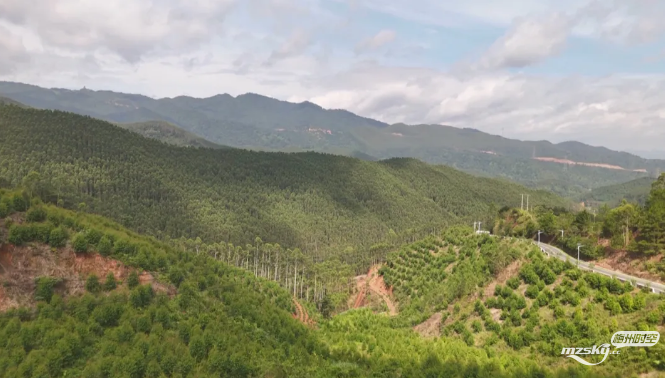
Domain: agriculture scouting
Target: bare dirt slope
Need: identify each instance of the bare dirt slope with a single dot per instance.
(430, 327)
(22, 265)
(501, 279)
(633, 264)
(373, 283)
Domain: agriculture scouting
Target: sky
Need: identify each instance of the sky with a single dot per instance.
(585, 70)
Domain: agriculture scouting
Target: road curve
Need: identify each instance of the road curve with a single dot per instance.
(550, 250)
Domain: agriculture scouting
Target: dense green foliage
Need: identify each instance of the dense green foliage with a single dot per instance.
(168, 133)
(639, 229)
(321, 204)
(636, 191)
(222, 322)
(538, 307)
(258, 122)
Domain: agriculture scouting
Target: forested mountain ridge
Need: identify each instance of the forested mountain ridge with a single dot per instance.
(168, 133)
(321, 204)
(258, 122)
(633, 191)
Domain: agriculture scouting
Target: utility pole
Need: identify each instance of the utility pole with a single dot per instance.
(522, 205)
(539, 232)
(578, 254)
(474, 226)
(479, 223)
(561, 234)
(527, 202)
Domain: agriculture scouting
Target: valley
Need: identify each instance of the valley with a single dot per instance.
(161, 258)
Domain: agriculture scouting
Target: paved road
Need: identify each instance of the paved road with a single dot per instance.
(556, 252)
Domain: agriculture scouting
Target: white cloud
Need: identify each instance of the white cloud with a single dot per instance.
(620, 21)
(296, 49)
(529, 41)
(293, 46)
(615, 111)
(382, 38)
(12, 51)
(129, 28)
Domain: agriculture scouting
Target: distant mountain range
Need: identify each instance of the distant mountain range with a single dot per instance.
(649, 154)
(253, 121)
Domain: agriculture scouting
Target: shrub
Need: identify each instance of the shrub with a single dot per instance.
(532, 291)
(626, 302)
(36, 214)
(573, 274)
(514, 283)
(559, 312)
(80, 243)
(613, 306)
(93, 236)
(92, 284)
(44, 288)
(548, 276)
(133, 279)
(105, 247)
(476, 326)
(18, 234)
(110, 283)
(493, 326)
(141, 296)
(58, 237)
(468, 338)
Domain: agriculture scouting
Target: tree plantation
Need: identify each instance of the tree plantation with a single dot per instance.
(122, 256)
(221, 321)
(333, 209)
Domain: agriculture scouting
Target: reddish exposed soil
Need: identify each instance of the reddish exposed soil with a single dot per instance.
(21, 265)
(302, 315)
(361, 287)
(378, 286)
(374, 282)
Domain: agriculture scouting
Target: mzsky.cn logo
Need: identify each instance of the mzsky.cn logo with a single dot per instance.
(620, 339)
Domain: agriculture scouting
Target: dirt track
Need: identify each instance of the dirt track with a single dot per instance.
(301, 314)
(375, 283)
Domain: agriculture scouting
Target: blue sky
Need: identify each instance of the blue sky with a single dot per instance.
(587, 70)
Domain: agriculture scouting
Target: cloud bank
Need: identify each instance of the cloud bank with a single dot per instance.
(508, 68)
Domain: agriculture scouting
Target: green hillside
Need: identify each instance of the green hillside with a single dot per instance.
(262, 123)
(633, 191)
(321, 204)
(168, 133)
(218, 321)
(505, 296)
(222, 320)
(9, 101)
